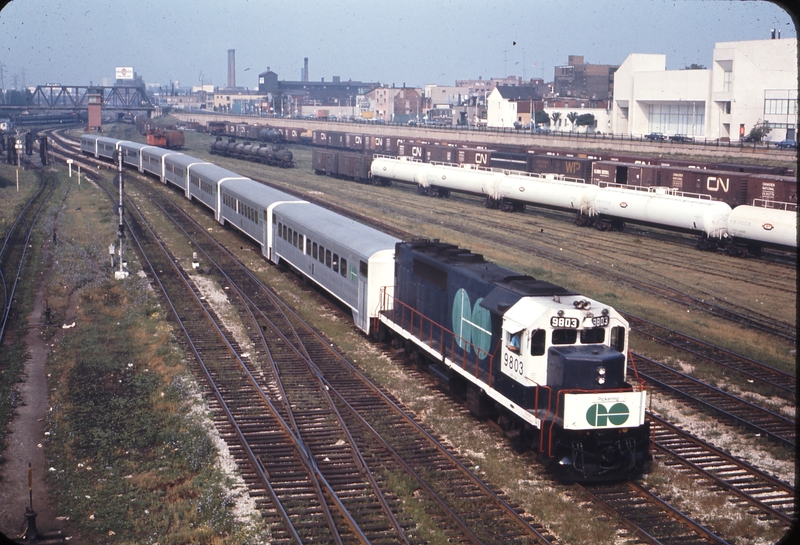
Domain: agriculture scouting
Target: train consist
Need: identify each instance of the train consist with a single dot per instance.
(548, 364)
(272, 155)
(739, 231)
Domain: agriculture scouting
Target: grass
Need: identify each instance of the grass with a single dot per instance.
(13, 353)
(127, 453)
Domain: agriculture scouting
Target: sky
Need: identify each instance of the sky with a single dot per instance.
(414, 42)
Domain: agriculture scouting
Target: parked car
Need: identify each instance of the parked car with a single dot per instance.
(787, 144)
(749, 138)
(655, 136)
(681, 138)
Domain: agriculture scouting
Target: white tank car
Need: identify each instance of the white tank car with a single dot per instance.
(766, 226)
(661, 207)
(399, 169)
(463, 178)
(544, 190)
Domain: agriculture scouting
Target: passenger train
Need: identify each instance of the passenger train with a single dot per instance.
(606, 205)
(548, 364)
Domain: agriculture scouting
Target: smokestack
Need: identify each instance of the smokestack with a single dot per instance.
(231, 68)
(305, 68)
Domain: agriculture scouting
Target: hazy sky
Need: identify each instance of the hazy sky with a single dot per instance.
(415, 42)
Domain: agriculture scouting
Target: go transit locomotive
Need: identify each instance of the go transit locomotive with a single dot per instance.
(548, 364)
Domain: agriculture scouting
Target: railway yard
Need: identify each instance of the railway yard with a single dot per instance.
(333, 438)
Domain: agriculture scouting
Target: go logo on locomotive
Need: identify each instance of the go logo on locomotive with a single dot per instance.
(599, 416)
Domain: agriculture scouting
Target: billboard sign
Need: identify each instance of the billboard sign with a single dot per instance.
(124, 72)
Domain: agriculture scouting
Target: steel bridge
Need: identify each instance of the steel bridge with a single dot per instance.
(76, 97)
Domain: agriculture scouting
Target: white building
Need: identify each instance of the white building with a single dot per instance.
(748, 82)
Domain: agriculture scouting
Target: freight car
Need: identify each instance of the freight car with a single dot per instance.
(605, 205)
(732, 187)
(548, 364)
(272, 155)
(342, 164)
(165, 139)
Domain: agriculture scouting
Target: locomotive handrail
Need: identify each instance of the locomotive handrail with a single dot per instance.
(429, 330)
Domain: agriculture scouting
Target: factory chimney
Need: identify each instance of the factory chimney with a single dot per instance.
(305, 68)
(231, 68)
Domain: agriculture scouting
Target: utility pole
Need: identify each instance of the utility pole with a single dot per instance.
(121, 274)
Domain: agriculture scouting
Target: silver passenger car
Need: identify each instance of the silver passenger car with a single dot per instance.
(176, 170)
(153, 161)
(348, 259)
(246, 205)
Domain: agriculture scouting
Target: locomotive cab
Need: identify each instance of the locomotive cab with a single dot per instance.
(563, 342)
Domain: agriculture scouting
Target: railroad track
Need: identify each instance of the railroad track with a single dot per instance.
(727, 408)
(771, 498)
(752, 370)
(373, 423)
(16, 242)
(648, 518)
(393, 442)
(350, 414)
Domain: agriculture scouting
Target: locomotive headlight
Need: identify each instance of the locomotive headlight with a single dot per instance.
(601, 371)
(601, 380)
(605, 312)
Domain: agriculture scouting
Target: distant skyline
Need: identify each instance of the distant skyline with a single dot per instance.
(413, 43)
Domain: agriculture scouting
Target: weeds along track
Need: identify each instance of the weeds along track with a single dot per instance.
(16, 241)
(353, 430)
(721, 473)
(725, 407)
(753, 371)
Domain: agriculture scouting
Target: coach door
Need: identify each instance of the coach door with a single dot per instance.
(360, 314)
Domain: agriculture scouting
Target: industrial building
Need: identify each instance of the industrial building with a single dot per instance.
(749, 83)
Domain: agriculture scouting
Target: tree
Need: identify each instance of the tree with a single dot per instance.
(542, 118)
(555, 116)
(759, 131)
(585, 120)
(694, 66)
(572, 116)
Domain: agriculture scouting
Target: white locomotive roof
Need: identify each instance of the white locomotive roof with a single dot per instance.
(258, 193)
(360, 239)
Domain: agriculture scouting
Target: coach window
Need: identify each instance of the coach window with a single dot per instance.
(362, 268)
(308, 246)
(618, 339)
(321, 254)
(595, 335)
(294, 239)
(538, 338)
(314, 250)
(274, 219)
(285, 231)
(335, 265)
(343, 267)
(565, 336)
(327, 258)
